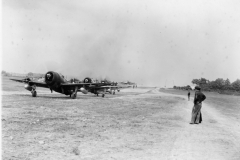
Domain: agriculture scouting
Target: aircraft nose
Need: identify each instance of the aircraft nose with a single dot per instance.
(48, 75)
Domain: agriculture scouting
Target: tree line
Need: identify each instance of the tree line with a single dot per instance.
(219, 85)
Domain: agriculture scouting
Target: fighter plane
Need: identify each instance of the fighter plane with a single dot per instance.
(128, 83)
(56, 82)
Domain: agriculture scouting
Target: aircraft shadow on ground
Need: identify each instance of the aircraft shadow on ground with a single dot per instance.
(63, 97)
(44, 95)
(79, 96)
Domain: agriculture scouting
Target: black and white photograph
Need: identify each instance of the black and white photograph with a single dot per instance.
(120, 79)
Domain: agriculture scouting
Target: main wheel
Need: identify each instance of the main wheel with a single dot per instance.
(103, 95)
(34, 93)
(113, 93)
(74, 95)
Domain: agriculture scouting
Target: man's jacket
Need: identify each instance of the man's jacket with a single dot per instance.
(199, 97)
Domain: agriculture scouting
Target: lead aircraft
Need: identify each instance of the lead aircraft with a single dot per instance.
(56, 82)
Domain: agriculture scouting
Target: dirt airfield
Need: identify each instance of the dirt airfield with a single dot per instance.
(140, 123)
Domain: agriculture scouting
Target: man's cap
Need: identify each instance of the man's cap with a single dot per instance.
(197, 88)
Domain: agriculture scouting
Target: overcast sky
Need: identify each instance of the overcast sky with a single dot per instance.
(150, 42)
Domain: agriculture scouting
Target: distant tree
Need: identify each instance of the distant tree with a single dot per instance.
(236, 85)
(196, 81)
(4, 73)
(220, 83)
(188, 87)
(202, 82)
(227, 84)
(211, 85)
(30, 74)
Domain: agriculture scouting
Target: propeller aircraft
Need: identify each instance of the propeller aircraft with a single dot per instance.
(128, 83)
(56, 82)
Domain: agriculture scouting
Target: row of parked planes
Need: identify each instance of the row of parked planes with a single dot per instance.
(56, 82)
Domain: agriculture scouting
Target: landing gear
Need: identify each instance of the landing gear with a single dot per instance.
(113, 92)
(34, 93)
(73, 95)
(97, 94)
(103, 94)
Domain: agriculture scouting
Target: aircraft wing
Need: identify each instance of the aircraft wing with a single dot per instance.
(125, 86)
(72, 85)
(115, 87)
(20, 80)
(38, 84)
(91, 86)
(28, 81)
(109, 87)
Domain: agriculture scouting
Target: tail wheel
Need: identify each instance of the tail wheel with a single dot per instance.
(34, 93)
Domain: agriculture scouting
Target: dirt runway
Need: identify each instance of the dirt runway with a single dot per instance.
(218, 137)
(134, 124)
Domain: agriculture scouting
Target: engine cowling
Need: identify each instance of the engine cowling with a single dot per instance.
(53, 79)
(87, 80)
(83, 90)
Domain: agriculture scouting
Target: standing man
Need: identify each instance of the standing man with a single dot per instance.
(196, 111)
(188, 94)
